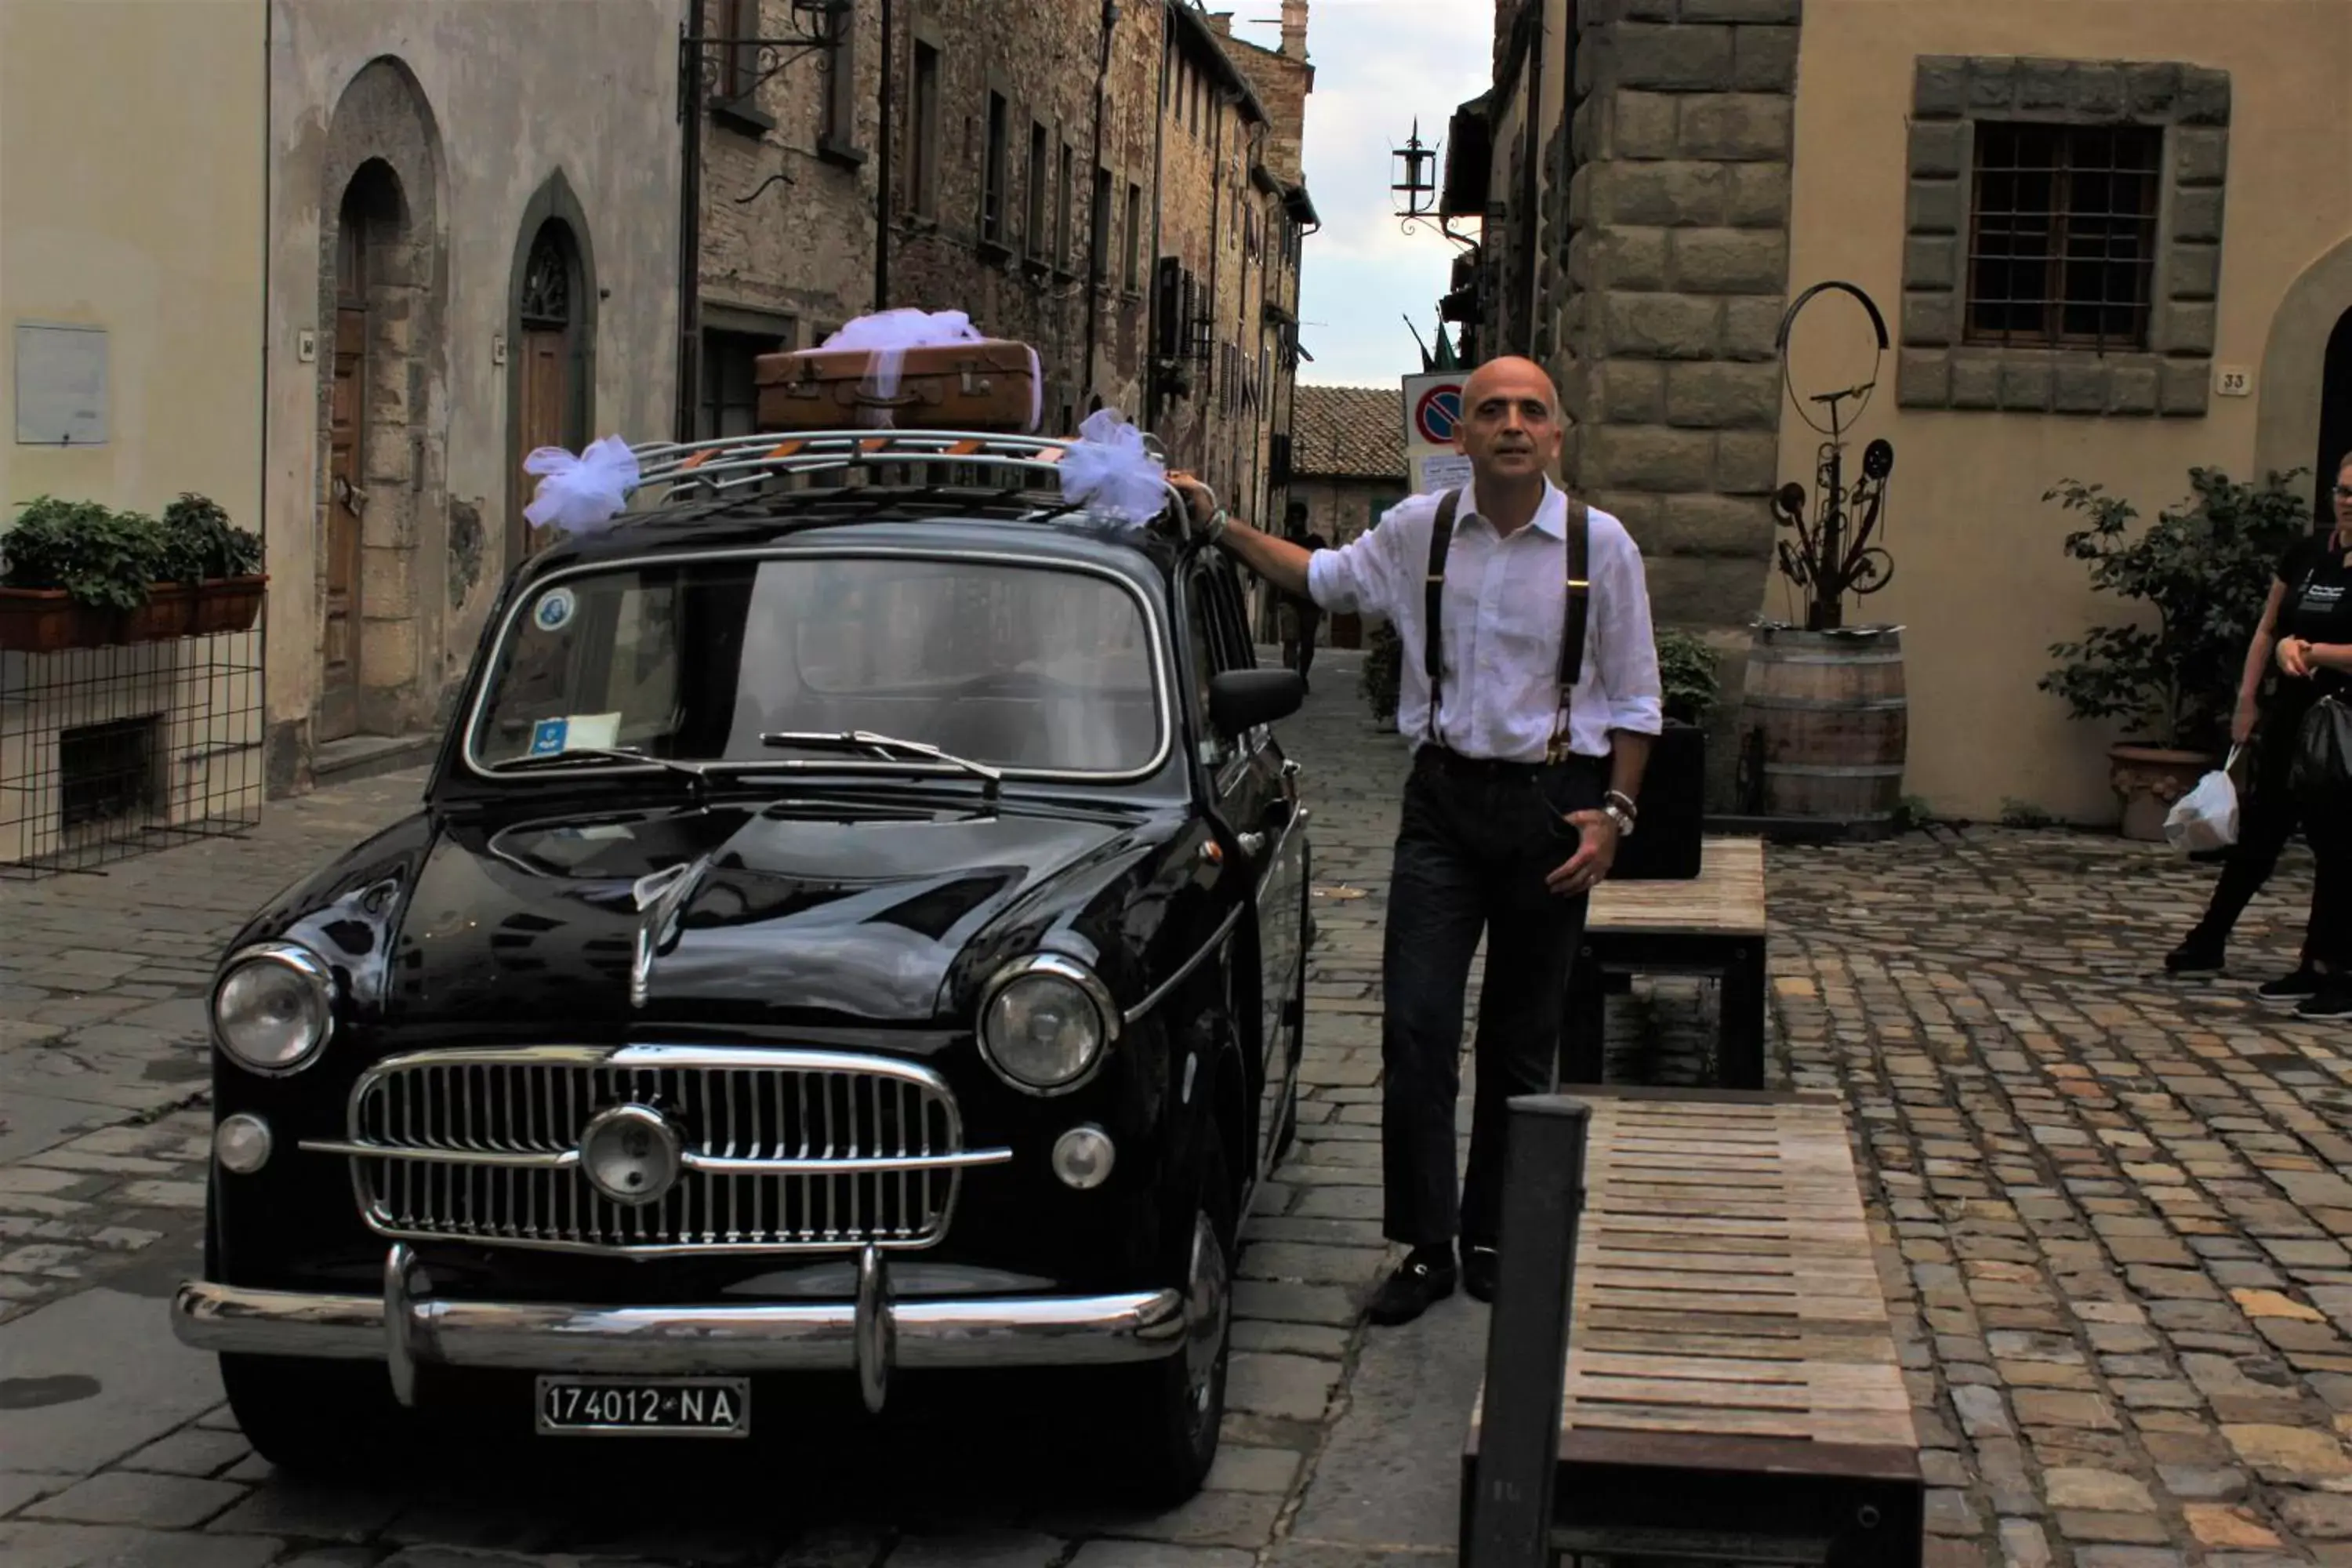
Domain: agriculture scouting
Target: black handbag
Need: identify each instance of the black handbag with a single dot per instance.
(2321, 774)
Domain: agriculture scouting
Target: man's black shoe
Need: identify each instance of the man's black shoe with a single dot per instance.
(1425, 1276)
(2199, 954)
(2330, 1001)
(1479, 1268)
(2306, 981)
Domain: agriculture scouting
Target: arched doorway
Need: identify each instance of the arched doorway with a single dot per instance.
(371, 221)
(549, 343)
(2335, 418)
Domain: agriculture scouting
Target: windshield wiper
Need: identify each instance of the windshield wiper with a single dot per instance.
(698, 775)
(886, 747)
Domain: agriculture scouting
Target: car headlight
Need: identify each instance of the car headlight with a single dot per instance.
(274, 1007)
(1044, 1024)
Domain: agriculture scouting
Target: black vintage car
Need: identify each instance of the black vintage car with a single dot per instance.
(852, 932)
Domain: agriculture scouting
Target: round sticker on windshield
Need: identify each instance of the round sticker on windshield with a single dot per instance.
(553, 609)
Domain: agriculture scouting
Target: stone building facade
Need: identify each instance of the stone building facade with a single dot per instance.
(472, 252)
(1637, 200)
(2099, 255)
(1101, 182)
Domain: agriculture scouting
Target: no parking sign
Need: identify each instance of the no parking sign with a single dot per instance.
(1432, 412)
(1433, 415)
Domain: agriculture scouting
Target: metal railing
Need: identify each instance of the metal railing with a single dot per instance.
(730, 464)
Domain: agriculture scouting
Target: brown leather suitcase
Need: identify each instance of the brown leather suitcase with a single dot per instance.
(992, 387)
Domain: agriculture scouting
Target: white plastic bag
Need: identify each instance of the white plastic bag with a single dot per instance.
(2207, 816)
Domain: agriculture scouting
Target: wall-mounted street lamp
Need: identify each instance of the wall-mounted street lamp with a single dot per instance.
(1415, 188)
(1416, 179)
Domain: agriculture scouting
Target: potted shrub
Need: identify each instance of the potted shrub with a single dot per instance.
(222, 561)
(2170, 682)
(1673, 786)
(78, 574)
(1687, 669)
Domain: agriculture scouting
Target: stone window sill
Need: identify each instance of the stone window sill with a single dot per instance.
(742, 116)
(2052, 381)
(841, 154)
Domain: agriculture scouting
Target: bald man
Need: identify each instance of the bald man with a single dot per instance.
(1530, 705)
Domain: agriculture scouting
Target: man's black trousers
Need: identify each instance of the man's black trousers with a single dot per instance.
(1475, 842)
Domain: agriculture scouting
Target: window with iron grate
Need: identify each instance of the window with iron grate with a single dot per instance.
(107, 772)
(2061, 250)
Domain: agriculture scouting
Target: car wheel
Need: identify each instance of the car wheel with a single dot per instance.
(1169, 1415)
(315, 1417)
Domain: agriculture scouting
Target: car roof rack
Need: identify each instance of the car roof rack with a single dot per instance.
(743, 463)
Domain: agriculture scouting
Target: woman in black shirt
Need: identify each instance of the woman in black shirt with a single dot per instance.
(2305, 630)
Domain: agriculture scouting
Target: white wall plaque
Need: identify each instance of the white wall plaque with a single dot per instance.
(61, 386)
(2233, 381)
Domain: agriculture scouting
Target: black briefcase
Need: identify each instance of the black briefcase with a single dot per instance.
(1665, 843)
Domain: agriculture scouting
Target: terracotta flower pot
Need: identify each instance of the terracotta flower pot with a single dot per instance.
(48, 620)
(228, 604)
(170, 612)
(2149, 779)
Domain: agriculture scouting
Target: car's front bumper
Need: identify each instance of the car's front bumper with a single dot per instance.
(871, 1335)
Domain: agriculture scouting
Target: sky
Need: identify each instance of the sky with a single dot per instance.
(1378, 63)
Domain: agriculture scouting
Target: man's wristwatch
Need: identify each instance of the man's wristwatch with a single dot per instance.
(1618, 807)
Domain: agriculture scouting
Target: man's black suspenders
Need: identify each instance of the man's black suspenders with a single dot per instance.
(1575, 610)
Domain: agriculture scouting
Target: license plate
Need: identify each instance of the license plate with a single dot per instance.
(645, 1407)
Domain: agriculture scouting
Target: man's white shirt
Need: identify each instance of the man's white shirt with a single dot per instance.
(1506, 608)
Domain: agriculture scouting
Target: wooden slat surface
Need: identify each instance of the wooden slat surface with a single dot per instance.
(1725, 898)
(1723, 1280)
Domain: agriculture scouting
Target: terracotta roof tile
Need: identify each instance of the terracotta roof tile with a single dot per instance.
(1348, 432)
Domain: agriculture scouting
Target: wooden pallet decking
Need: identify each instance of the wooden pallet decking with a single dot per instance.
(1711, 924)
(1724, 1282)
(1725, 898)
(1732, 1379)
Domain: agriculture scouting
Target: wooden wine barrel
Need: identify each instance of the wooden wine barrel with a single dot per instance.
(1826, 722)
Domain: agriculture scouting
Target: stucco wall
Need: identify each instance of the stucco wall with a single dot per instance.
(1981, 584)
(513, 93)
(100, 227)
(162, 253)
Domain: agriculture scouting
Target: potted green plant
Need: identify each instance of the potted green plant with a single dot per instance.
(78, 574)
(1687, 671)
(2169, 681)
(222, 561)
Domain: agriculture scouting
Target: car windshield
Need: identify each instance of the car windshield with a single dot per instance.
(1019, 666)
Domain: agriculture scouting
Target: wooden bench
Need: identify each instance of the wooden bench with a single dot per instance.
(1711, 924)
(1699, 1364)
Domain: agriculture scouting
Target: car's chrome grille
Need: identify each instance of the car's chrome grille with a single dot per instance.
(784, 1150)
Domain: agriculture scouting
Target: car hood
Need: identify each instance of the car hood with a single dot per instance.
(848, 916)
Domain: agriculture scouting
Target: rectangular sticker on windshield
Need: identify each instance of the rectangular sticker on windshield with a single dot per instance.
(546, 736)
(593, 732)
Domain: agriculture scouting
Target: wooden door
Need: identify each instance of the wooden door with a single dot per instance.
(339, 692)
(546, 413)
(2335, 421)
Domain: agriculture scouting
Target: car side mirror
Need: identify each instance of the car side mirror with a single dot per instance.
(1241, 699)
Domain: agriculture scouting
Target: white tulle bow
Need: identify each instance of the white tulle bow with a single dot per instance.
(584, 493)
(1109, 469)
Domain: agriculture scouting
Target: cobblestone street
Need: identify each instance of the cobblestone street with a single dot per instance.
(2115, 1214)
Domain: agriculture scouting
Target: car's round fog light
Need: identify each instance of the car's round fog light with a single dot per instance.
(241, 1143)
(632, 1155)
(1083, 1157)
